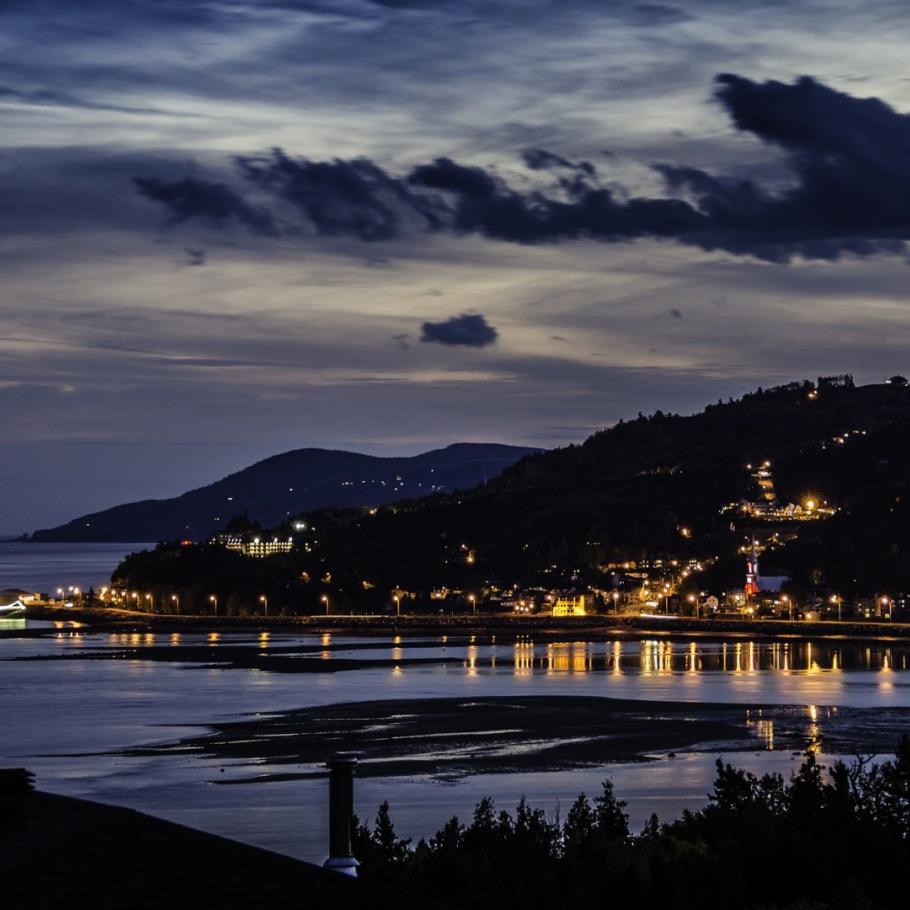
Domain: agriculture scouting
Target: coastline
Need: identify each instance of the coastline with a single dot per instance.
(547, 626)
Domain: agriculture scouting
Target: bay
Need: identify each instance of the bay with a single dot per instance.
(76, 703)
(45, 567)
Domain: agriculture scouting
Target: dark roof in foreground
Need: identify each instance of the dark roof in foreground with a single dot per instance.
(73, 853)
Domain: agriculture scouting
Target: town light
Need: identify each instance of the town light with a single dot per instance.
(214, 601)
(325, 600)
(265, 602)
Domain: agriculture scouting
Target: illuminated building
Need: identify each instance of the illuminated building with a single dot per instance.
(256, 546)
(570, 605)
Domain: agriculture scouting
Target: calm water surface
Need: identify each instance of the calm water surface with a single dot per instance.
(44, 567)
(59, 717)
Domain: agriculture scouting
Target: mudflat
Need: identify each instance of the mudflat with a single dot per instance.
(454, 737)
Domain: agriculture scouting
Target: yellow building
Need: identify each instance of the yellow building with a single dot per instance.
(570, 605)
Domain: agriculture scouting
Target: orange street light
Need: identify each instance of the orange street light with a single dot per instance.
(325, 600)
(214, 601)
(265, 602)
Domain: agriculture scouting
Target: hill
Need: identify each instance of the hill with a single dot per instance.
(276, 488)
(650, 488)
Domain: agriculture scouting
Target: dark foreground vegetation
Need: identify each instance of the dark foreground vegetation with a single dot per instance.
(827, 839)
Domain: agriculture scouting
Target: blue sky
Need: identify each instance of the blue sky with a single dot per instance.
(510, 222)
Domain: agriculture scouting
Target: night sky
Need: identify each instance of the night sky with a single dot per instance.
(233, 228)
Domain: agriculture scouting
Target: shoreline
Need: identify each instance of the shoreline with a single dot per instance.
(109, 619)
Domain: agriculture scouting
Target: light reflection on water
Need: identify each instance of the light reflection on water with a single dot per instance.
(661, 656)
(93, 706)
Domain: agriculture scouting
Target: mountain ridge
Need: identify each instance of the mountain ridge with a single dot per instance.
(299, 480)
(659, 490)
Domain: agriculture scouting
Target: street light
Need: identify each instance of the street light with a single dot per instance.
(214, 601)
(836, 600)
(265, 602)
(693, 600)
(616, 602)
(325, 600)
(397, 599)
(789, 603)
(176, 601)
(473, 600)
(885, 603)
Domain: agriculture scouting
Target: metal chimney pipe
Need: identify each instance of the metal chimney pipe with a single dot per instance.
(341, 811)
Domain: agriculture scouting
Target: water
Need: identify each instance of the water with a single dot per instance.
(60, 717)
(45, 567)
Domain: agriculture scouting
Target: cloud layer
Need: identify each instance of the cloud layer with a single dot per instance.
(556, 167)
(848, 189)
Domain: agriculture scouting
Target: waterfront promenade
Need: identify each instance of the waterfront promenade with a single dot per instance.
(543, 625)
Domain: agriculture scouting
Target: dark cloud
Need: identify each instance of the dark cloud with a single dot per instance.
(469, 330)
(337, 197)
(542, 160)
(483, 203)
(214, 202)
(849, 191)
(850, 159)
